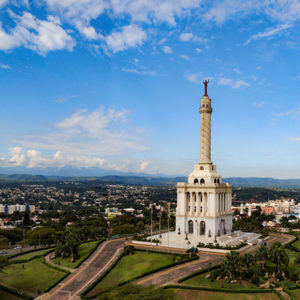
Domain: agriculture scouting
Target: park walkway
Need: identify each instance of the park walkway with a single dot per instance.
(73, 285)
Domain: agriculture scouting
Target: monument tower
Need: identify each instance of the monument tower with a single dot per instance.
(204, 202)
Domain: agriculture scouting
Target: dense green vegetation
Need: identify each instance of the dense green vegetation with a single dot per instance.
(83, 250)
(131, 266)
(30, 277)
(182, 294)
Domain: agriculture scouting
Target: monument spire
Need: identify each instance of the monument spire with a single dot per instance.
(205, 135)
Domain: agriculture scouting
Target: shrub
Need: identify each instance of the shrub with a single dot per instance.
(255, 279)
(128, 250)
(294, 276)
(247, 274)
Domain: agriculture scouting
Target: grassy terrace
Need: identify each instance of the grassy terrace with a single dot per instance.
(84, 250)
(297, 244)
(131, 266)
(28, 256)
(200, 280)
(200, 295)
(35, 276)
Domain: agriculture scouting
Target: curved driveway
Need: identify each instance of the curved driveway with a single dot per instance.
(73, 285)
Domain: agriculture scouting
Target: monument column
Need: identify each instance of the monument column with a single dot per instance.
(205, 137)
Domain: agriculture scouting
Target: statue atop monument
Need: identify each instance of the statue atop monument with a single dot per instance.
(205, 82)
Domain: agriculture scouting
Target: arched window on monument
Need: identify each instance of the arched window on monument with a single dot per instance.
(191, 226)
(196, 180)
(202, 228)
(202, 180)
(201, 168)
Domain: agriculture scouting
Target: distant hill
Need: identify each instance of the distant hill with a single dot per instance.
(151, 180)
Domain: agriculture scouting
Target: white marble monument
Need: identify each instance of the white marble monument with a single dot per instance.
(203, 211)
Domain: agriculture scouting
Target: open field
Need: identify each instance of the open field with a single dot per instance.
(182, 294)
(84, 251)
(35, 276)
(28, 256)
(131, 266)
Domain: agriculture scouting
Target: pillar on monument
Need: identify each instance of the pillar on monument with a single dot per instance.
(205, 137)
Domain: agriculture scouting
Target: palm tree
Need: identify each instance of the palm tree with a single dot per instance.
(248, 259)
(279, 256)
(232, 264)
(262, 255)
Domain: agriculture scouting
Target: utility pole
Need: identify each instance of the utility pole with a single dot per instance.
(160, 236)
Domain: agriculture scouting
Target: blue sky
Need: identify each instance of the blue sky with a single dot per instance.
(116, 85)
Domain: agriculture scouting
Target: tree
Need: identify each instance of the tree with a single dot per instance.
(262, 255)
(279, 256)
(232, 264)
(42, 236)
(248, 259)
(70, 242)
(26, 220)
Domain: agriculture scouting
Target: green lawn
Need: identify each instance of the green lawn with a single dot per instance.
(35, 276)
(30, 255)
(200, 280)
(83, 250)
(296, 293)
(8, 296)
(296, 244)
(292, 256)
(182, 294)
(131, 266)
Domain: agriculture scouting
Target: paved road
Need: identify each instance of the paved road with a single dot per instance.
(171, 275)
(72, 286)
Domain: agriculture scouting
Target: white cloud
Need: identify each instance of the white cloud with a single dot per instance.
(259, 104)
(167, 50)
(295, 139)
(40, 35)
(140, 72)
(193, 77)
(144, 166)
(269, 32)
(102, 132)
(4, 66)
(236, 70)
(156, 10)
(234, 84)
(60, 100)
(185, 57)
(129, 36)
(290, 113)
(184, 37)
(198, 50)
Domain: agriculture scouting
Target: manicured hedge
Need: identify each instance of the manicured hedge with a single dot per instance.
(83, 295)
(188, 287)
(15, 292)
(198, 273)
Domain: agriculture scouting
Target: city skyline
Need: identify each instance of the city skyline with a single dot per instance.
(117, 85)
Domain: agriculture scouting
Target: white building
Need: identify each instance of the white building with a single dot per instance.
(204, 202)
